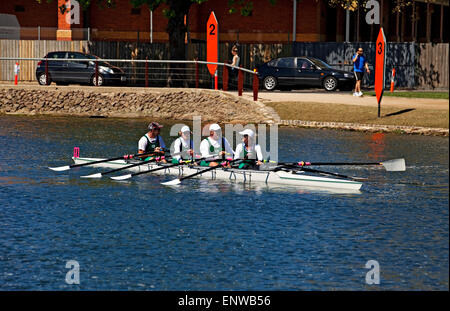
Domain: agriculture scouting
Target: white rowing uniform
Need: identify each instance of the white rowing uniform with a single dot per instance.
(254, 153)
(148, 144)
(182, 145)
(209, 148)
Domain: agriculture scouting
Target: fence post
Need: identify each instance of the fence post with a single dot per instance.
(96, 72)
(255, 86)
(240, 81)
(146, 71)
(225, 78)
(46, 71)
(196, 73)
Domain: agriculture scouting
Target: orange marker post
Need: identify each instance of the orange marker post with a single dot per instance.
(212, 46)
(16, 73)
(380, 67)
(392, 80)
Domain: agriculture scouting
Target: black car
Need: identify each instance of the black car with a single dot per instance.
(291, 72)
(77, 70)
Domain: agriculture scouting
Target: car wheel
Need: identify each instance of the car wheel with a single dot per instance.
(42, 79)
(270, 83)
(330, 83)
(100, 80)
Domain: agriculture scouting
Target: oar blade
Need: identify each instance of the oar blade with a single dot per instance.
(60, 168)
(397, 165)
(122, 177)
(173, 182)
(98, 175)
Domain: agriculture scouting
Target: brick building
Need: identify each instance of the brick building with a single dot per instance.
(314, 20)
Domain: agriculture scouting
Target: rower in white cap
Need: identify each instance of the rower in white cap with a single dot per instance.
(215, 146)
(183, 146)
(248, 150)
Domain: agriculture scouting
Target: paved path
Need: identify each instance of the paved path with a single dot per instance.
(349, 99)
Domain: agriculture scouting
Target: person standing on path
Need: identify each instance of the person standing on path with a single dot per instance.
(359, 64)
(235, 62)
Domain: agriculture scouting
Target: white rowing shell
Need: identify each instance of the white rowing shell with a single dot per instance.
(270, 177)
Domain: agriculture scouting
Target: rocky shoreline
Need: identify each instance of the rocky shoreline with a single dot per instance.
(177, 104)
(428, 131)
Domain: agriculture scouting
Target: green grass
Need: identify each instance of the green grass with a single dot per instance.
(408, 94)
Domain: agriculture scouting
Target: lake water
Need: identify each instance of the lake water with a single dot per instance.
(207, 235)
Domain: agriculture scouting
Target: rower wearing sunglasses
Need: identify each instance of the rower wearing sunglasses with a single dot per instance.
(248, 150)
(183, 146)
(214, 147)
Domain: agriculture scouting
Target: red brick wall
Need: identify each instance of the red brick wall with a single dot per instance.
(120, 18)
(267, 23)
(35, 14)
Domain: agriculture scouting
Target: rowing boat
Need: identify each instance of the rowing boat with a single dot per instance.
(291, 178)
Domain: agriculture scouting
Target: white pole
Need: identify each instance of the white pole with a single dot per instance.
(89, 34)
(294, 21)
(151, 26)
(347, 25)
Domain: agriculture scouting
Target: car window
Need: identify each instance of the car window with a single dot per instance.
(76, 56)
(273, 62)
(303, 63)
(286, 63)
(57, 55)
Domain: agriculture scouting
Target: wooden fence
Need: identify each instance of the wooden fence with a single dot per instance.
(432, 65)
(430, 62)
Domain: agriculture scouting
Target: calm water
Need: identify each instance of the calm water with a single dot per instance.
(215, 235)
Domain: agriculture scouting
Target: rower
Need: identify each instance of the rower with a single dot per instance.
(248, 150)
(183, 146)
(152, 141)
(215, 146)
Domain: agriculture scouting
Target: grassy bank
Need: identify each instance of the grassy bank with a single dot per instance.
(361, 114)
(407, 94)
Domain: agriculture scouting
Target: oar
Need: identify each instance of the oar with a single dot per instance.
(99, 175)
(127, 176)
(68, 167)
(178, 180)
(396, 165)
(322, 172)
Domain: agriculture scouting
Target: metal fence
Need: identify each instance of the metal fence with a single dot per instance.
(63, 68)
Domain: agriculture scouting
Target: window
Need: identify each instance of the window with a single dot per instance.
(304, 64)
(286, 63)
(57, 55)
(19, 8)
(136, 11)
